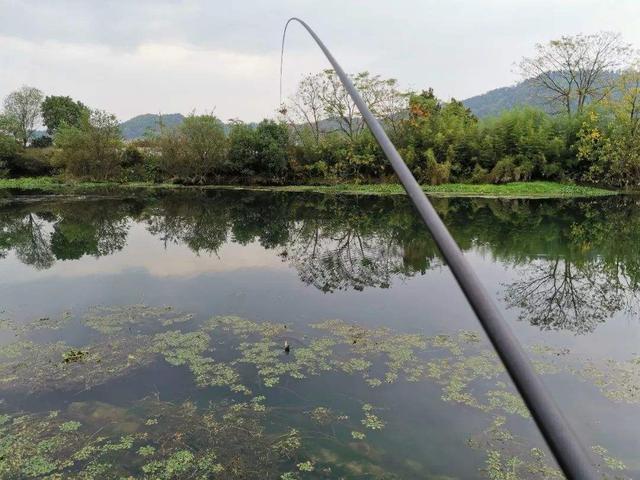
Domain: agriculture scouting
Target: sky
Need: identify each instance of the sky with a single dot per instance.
(156, 56)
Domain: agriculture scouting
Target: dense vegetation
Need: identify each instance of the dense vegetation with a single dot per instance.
(320, 138)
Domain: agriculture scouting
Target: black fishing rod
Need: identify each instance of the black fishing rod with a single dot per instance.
(572, 457)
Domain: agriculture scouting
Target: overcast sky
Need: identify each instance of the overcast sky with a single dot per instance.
(137, 56)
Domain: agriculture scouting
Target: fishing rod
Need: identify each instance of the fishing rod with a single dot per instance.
(571, 456)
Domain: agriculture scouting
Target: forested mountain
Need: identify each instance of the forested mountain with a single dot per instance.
(137, 127)
(525, 93)
(498, 100)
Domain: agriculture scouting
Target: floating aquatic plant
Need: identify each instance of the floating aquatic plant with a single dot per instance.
(226, 441)
(305, 466)
(227, 352)
(618, 380)
(113, 319)
(72, 355)
(370, 420)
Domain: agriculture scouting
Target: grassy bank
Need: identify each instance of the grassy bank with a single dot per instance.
(509, 190)
(55, 185)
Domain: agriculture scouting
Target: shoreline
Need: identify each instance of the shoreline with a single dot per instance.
(515, 190)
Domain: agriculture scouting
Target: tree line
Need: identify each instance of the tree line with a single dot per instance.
(592, 135)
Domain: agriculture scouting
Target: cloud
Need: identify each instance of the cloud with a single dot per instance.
(132, 57)
(155, 77)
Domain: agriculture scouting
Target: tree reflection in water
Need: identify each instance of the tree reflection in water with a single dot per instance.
(558, 294)
(576, 260)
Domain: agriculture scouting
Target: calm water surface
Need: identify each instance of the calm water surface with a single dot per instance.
(143, 336)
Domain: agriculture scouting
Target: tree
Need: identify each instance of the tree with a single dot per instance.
(574, 71)
(436, 137)
(58, 110)
(8, 124)
(195, 150)
(23, 107)
(321, 97)
(259, 151)
(625, 101)
(92, 150)
(305, 109)
(380, 95)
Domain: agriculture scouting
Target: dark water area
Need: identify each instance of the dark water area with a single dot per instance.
(144, 336)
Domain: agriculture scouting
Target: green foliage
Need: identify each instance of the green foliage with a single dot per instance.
(21, 113)
(92, 150)
(370, 420)
(306, 466)
(8, 124)
(32, 162)
(194, 151)
(259, 151)
(60, 111)
(8, 152)
(608, 153)
(42, 142)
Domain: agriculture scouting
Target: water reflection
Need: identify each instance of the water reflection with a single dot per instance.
(43, 233)
(575, 261)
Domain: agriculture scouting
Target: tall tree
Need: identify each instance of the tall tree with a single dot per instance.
(58, 110)
(23, 106)
(305, 108)
(576, 70)
(322, 97)
(381, 96)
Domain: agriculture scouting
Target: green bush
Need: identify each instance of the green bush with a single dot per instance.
(260, 151)
(193, 152)
(504, 171)
(480, 175)
(33, 162)
(8, 152)
(92, 150)
(42, 142)
(432, 172)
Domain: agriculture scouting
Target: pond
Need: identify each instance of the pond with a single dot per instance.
(239, 334)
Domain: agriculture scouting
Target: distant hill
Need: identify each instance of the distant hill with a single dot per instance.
(524, 93)
(139, 126)
(498, 100)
